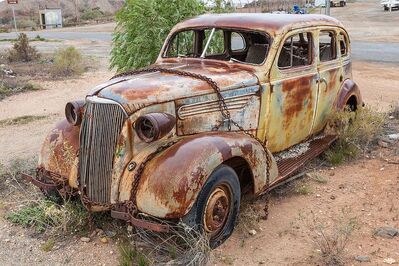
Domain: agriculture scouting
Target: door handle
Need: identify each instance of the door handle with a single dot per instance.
(321, 80)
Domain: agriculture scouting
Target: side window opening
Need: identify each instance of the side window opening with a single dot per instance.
(327, 46)
(224, 44)
(297, 51)
(237, 42)
(343, 46)
(182, 44)
(216, 46)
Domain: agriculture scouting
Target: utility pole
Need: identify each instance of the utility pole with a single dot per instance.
(12, 3)
(327, 7)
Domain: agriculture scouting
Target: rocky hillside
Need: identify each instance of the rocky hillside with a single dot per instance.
(30, 8)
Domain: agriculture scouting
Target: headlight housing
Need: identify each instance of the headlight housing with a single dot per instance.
(153, 126)
(73, 112)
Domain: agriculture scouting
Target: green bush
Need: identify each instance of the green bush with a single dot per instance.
(22, 51)
(143, 25)
(68, 62)
(46, 214)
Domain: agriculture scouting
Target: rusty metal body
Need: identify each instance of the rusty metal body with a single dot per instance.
(281, 107)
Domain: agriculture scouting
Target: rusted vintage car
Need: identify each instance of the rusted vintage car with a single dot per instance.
(234, 105)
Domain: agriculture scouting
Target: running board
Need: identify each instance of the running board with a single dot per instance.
(288, 162)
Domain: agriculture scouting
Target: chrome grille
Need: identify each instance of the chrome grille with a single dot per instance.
(99, 133)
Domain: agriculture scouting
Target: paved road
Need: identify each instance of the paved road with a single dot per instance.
(100, 45)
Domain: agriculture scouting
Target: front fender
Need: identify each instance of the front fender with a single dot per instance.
(171, 182)
(58, 153)
(348, 89)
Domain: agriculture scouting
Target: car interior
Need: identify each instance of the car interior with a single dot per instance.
(240, 46)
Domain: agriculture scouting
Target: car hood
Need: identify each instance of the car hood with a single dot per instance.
(134, 92)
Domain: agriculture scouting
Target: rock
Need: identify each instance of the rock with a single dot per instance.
(389, 261)
(93, 234)
(332, 197)
(386, 232)
(262, 262)
(393, 136)
(129, 228)
(383, 144)
(252, 232)
(104, 240)
(362, 258)
(318, 195)
(110, 233)
(85, 239)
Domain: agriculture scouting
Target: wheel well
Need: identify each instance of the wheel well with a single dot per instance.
(244, 173)
(352, 103)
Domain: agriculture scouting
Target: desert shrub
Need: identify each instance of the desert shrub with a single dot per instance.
(26, 24)
(92, 14)
(356, 131)
(68, 62)
(22, 51)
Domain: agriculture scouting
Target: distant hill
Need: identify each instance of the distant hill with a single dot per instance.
(30, 8)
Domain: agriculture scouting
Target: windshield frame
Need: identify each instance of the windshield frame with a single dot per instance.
(171, 37)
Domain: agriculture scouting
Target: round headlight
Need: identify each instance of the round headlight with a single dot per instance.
(73, 112)
(154, 126)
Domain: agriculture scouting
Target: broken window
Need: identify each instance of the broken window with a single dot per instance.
(327, 46)
(343, 47)
(297, 51)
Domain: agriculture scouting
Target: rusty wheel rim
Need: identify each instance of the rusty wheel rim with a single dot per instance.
(217, 210)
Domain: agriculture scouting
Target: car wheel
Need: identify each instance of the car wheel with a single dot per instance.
(216, 209)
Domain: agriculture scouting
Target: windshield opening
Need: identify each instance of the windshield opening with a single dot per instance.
(219, 44)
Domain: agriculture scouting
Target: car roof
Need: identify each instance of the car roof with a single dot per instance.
(271, 23)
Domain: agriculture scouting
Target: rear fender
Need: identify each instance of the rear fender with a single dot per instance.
(348, 89)
(170, 183)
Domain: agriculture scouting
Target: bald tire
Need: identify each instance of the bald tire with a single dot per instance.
(223, 175)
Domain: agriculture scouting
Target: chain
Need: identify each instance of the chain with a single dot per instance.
(131, 205)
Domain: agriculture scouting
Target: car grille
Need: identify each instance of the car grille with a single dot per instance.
(99, 133)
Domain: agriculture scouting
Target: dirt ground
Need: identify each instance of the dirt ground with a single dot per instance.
(365, 191)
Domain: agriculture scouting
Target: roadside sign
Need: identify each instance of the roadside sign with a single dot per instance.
(12, 2)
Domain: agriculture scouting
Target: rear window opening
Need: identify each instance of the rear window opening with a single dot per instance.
(220, 44)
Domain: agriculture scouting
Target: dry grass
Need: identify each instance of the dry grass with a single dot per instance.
(181, 246)
(332, 239)
(9, 87)
(21, 120)
(357, 131)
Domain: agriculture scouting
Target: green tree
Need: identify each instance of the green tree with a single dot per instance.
(142, 26)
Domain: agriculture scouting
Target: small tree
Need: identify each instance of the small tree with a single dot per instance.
(142, 26)
(22, 51)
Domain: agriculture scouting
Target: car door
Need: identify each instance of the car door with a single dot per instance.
(293, 90)
(330, 76)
